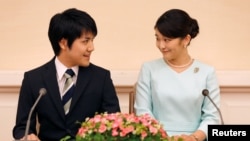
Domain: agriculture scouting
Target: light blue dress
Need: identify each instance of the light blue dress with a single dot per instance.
(175, 99)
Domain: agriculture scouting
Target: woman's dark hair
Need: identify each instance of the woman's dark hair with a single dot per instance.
(176, 23)
(70, 24)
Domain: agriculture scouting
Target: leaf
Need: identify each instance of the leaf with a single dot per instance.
(66, 138)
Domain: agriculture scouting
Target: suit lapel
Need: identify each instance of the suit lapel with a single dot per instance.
(50, 78)
(83, 78)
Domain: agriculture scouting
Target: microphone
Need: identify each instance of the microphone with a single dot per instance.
(42, 92)
(205, 92)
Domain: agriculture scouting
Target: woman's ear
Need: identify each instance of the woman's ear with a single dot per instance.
(187, 40)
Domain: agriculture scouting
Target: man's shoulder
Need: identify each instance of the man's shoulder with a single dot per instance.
(98, 68)
(46, 66)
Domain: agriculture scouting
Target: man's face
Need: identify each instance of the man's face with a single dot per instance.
(79, 53)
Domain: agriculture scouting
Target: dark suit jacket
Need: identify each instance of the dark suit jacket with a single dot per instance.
(94, 92)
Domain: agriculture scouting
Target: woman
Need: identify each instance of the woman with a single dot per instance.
(170, 88)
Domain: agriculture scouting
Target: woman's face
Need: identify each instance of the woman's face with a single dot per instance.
(171, 48)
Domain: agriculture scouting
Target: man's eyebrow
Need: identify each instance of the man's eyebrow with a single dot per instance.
(87, 38)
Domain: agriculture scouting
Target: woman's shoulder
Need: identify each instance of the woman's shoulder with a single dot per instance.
(154, 64)
(203, 66)
(158, 61)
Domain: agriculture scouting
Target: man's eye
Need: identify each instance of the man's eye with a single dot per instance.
(85, 41)
(167, 40)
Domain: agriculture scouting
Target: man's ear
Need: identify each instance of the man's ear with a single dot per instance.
(63, 43)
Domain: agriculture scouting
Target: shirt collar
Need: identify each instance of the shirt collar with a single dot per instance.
(61, 69)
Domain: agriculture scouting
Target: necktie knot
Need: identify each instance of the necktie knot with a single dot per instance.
(69, 73)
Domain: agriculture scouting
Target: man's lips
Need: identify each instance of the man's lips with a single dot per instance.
(86, 55)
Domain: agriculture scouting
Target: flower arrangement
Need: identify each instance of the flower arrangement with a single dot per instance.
(121, 127)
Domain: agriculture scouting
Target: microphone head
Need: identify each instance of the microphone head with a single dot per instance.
(205, 92)
(42, 91)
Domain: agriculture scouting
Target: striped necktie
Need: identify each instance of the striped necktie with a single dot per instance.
(68, 90)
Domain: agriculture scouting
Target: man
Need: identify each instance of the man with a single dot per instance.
(71, 34)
